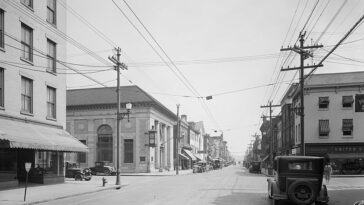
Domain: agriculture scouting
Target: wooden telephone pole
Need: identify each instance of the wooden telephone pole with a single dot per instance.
(304, 53)
(270, 128)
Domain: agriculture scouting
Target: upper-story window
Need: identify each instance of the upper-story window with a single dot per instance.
(348, 101)
(26, 95)
(28, 3)
(2, 33)
(324, 102)
(51, 55)
(51, 102)
(51, 11)
(324, 128)
(347, 127)
(27, 42)
(1, 87)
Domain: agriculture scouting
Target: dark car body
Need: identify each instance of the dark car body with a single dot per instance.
(254, 167)
(103, 167)
(79, 174)
(298, 179)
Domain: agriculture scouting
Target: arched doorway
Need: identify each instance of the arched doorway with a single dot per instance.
(104, 143)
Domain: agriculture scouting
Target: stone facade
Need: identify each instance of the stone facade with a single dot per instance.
(84, 122)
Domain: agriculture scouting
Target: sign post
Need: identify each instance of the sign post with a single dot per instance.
(27, 168)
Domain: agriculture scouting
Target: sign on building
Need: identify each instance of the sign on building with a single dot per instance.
(359, 103)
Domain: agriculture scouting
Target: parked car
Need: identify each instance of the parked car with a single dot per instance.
(103, 167)
(79, 174)
(254, 167)
(298, 179)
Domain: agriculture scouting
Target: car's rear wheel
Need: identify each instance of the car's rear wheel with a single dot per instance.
(301, 192)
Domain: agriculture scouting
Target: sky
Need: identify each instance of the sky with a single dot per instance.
(229, 50)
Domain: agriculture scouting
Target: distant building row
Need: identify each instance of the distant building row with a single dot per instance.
(334, 115)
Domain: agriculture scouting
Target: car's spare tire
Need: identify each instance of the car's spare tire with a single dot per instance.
(302, 192)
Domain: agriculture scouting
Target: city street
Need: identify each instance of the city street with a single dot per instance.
(231, 185)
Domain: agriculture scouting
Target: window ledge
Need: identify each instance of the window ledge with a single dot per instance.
(324, 137)
(347, 108)
(323, 109)
(27, 113)
(53, 24)
(27, 61)
(51, 118)
(51, 72)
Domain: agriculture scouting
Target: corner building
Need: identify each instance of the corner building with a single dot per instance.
(33, 92)
(91, 117)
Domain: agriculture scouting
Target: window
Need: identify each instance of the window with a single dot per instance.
(348, 101)
(1, 87)
(27, 42)
(51, 102)
(28, 3)
(51, 55)
(324, 102)
(82, 155)
(128, 151)
(51, 11)
(324, 128)
(26, 95)
(300, 166)
(347, 127)
(2, 29)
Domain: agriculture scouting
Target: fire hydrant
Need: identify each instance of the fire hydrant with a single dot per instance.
(104, 181)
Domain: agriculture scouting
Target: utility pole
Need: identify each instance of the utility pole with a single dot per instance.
(270, 128)
(304, 53)
(177, 139)
(118, 65)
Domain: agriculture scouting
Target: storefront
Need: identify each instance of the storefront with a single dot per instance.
(345, 158)
(42, 145)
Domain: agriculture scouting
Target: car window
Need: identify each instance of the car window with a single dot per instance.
(300, 165)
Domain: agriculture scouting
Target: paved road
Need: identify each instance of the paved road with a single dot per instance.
(231, 185)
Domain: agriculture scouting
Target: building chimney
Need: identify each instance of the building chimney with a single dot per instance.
(184, 118)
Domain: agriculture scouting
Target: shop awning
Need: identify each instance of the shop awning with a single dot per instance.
(198, 158)
(265, 158)
(190, 155)
(347, 156)
(183, 156)
(17, 134)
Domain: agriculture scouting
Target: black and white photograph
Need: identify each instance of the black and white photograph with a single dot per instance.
(183, 102)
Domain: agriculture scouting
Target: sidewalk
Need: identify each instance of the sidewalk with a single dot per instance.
(164, 173)
(37, 193)
(44, 193)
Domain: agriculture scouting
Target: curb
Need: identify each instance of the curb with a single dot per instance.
(343, 176)
(78, 194)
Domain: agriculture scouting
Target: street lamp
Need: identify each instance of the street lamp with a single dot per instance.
(120, 116)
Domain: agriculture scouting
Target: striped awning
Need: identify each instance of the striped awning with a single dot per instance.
(18, 134)
(183, 156)
(190, 155)
(324, 126)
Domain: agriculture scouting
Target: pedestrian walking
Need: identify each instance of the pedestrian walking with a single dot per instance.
(327, 173)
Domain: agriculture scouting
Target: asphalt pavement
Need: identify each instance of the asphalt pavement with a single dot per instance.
(230, 185)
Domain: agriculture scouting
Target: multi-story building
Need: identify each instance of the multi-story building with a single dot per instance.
(333, 107)
(91, 117)
(33, 92)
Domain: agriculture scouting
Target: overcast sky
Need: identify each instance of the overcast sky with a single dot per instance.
(225, 49)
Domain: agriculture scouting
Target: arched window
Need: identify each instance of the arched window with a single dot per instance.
(104, 143)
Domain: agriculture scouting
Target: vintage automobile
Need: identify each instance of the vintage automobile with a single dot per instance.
(103, 167)
(79, 174)
(298, 179)
(254, 167)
